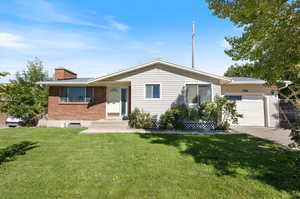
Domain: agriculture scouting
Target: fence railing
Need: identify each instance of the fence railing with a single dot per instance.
(189, 125)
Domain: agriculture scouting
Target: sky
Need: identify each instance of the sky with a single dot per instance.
(94, 38)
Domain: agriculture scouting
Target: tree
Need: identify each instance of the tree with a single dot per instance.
(2, 74)
(23, 97)
(270, 38)
(240, 71)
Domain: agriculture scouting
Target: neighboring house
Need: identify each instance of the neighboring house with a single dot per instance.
(154, 87)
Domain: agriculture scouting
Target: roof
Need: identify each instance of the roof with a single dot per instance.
(68, 81)
(85, 81)
(189, 69)
(246, 80)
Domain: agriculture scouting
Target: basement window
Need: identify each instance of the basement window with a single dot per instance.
(76, 94)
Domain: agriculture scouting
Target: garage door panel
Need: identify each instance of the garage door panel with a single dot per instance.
(252, 109)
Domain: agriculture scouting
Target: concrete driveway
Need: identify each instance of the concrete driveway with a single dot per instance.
(280, 136)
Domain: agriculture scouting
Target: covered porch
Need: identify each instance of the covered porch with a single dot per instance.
(118, 99)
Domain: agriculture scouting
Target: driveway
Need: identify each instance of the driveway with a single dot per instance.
(280, 136)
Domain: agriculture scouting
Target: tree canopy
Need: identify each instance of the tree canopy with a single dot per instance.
(270, 41)
(23, 98)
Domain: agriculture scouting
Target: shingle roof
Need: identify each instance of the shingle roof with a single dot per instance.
(243, 79)
(69, 81)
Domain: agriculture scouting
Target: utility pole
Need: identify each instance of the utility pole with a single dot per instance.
(193, 45)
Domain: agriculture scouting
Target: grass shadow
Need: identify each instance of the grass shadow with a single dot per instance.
(270, 163)
(9, 153)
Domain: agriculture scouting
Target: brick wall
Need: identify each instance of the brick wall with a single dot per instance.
(62, 73)
(77, 111)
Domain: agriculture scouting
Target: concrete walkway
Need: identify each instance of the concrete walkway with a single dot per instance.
(129, 130)
(280, 136)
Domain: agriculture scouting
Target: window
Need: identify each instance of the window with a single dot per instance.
(77, 94)
(234, 97)
(152, 91)
(198, 93)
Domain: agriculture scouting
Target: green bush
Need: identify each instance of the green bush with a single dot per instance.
(175, 117)
(221, 112)
(295, 135)
(223, 126)
(139, 119)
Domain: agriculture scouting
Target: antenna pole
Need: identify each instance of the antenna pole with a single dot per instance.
(193, 45)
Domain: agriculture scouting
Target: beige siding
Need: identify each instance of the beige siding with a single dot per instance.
(270, 109)
(252, 88)
(172, 83)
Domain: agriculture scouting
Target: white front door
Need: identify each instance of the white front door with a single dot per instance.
(117, 102)
(113, 102)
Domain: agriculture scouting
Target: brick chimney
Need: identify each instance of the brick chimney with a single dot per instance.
(62, 73)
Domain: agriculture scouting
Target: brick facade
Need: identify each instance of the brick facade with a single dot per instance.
(62, 73)
(77, 111)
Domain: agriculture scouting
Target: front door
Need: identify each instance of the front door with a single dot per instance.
(113, 102)
(117, 102)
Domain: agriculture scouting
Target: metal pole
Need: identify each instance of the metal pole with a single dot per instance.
(193, 45)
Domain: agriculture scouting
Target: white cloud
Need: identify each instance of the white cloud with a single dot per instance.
(225, 44)
(44, 11)
(117, 25)
(11, 40)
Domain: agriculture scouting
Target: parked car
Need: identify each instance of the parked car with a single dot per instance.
(13, 122)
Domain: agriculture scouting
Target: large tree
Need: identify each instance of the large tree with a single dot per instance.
(23, 98)
(270, 40)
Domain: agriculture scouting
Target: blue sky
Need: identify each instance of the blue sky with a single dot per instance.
(93, 37)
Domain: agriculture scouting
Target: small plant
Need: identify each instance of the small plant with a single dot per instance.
(139, 119)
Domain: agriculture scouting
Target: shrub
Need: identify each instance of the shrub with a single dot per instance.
(171, 119)
(221, 112)
(139, 119)
(295, 135)
(175, 117)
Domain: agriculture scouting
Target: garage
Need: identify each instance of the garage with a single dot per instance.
(252, 109)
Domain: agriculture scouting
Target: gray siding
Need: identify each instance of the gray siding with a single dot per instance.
(172, 83)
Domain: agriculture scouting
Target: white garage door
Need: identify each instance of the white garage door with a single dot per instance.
(252, 108)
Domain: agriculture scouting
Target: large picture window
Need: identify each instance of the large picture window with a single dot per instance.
(77, 94)
(198, 93)
(152, 91)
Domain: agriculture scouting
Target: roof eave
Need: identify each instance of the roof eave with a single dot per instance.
(61, 83)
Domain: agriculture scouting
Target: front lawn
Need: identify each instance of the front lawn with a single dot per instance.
(61, 163)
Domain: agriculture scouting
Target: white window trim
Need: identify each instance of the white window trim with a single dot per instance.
(197, 83)
(160, 89)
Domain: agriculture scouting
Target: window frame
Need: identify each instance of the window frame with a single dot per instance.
(240, 97)
(91, 99)
(197, 83)
(145, 91)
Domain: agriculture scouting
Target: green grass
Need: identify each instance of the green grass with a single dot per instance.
(65, 164)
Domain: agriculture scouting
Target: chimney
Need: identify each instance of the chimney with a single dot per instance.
(62, 73)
